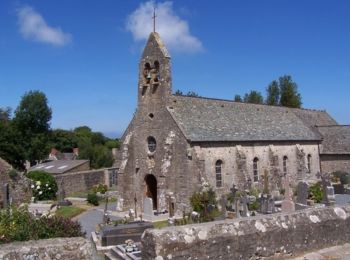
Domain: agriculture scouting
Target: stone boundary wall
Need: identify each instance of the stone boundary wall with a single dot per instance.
(56, 248)
(268, 236)
(81, 181)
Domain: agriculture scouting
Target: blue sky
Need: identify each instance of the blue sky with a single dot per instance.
(84, 54)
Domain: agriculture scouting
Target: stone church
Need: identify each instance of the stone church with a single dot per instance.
(175, 143)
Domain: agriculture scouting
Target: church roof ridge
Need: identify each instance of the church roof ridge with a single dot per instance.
(241, 102)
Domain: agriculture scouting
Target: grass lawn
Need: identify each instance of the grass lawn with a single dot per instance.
(69, 211)
(160, 224)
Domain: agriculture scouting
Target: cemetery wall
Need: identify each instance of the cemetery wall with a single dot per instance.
(80, 181)
(274, 235)
(230, 174)
(57, 248)
(333, 163)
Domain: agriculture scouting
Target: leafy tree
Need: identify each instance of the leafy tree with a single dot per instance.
(192, 94)
(5, 114)
(98, 138)
(178, 93)
(254, 97)
(289, 92)
(11, 148)
(63, 140)
(32, 121)
(238, 98)
(273, 94)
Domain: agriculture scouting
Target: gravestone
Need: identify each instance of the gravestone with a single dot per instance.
(325, 180)
(6, 195)
(237, 208)
(287, 204)
(244, 203)
(114, 235)
(330, 192)
(120, 204)
(267, 203)
(162, 203)
(148, 207)
(223, 203)
(302, 193)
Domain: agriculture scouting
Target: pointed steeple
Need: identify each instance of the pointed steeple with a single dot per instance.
(155, 42)
(154, 72)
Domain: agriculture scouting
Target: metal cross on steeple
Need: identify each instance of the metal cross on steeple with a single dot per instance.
(154, 19)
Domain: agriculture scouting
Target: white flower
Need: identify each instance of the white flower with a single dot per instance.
(49, 188)
(32, 186)
(38, 183)
(40, 192)
(38, 187)
(47, 185)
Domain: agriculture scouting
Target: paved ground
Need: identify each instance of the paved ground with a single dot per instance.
(332, 253)
(92, 217)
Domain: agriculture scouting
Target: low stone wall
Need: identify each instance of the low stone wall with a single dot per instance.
(81, 181)
(57, 248)
(275, 235)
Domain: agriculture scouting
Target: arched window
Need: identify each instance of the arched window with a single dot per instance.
(309, 163)
(285, 159)
(151, 144)
(218, 169)
(255, 169)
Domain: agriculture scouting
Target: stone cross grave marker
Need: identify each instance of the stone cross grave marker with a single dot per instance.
(223, 202)
(325, 177)
(6, 195)
(287, 204)
(148, 207)
(244, 203)
(302, 192)
(266, 182)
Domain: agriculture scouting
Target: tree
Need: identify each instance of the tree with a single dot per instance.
(32, 121)
(289, 92)
(178, 93)
(254, 97)
(63, 140)
(273, 94)
(238, 98)
(5, 114)
(192, 94)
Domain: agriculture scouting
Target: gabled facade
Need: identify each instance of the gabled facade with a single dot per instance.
(175, 143)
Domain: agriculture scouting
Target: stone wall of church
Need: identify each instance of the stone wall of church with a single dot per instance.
(238, 160)
(336, 162)
(172, 163)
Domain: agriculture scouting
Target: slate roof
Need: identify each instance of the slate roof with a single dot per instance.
(58, 166)
(336, 139)
(204, 119)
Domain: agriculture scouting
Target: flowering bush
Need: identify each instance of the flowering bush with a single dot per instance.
(205, 202)
(19, 225)
(44, 186)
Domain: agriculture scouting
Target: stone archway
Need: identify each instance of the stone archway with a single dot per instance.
(151, 189)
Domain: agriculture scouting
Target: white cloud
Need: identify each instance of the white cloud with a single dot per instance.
(173, 30)
(33, 26)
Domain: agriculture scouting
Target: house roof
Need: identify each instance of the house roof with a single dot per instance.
(204, 119)
(58, 166)
(336, 139)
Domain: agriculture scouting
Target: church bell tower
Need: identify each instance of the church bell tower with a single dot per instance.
(155, 84)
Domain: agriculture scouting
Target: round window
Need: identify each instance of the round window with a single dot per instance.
(151, 144)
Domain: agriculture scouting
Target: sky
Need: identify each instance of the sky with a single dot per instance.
(84, 54)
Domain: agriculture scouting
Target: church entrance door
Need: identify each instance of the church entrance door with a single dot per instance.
(151, 191)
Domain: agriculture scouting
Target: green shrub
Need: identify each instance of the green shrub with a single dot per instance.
(343, 177)
(198, 201)
(316, 192)
(19, 225)
(44, 186)
(101, 188)
(254, 206)
(92, 198)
